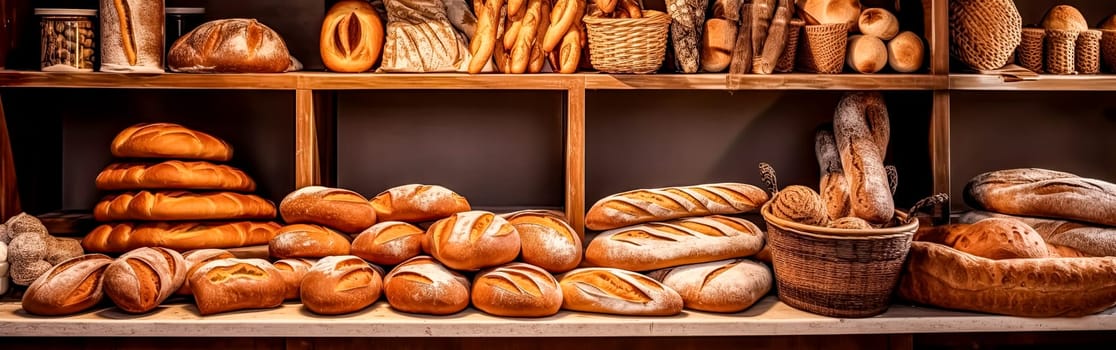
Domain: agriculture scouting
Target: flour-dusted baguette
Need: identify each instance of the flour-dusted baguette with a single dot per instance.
(861, 130)
(293, 271)
(340, 285)
(338, 208)
(181, 236)
(307, 241)
(834, 185)
(658, 245)
(945, 277)
(616, 291)
(659, 204)
(167, 140)
(1044, 193)
(1088, 239)
(236, 284)
(423, 285)
(183, 206)
(142, 279)
(547, 239)
(517, 290)
(388, 243)
(719, 286)
(472, 240)
(70, 287)
(173, 175)
(196, 258)
(418, 203)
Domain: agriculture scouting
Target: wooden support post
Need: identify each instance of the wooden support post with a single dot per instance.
(306, 140)
(575, 155)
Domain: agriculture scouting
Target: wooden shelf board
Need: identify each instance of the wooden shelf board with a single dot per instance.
(1045, 82)
(792, 81)
(422, 81)
(279, 81)
(768, 317)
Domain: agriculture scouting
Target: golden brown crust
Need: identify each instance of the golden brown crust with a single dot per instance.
(293, 271)
(341, 209)
(352, 37)
(616, 291)
(1089, 240)
(800, 204)
(69, 287)
(1064, 17)
(659, 204)
(1043, 193)
(307, 241)
(236, 284)
(234, 45)
(517, 290)
(418, 203)
(547, 240)
(423, 285)
(173, 175)
(719, 286)
(168, 140)
(180, 236)
(182, 206)
(196, 258)
(998, 238)
(389, 243)
(340, 285)
(472, 240)
(140, 280)
(659, 245)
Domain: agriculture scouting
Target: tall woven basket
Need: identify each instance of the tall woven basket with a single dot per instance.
(628, 45)
(1059, 51)
(1108, 49)
(1087, 52)
(823, 48)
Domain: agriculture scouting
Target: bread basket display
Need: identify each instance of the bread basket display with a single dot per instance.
(628, 45)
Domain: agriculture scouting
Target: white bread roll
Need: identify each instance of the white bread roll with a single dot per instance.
(867, 54)
(879, 23)
(906, 52)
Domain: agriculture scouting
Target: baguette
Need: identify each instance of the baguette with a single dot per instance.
(173, 175)
(140, 280)
(236, 284)
(340, 285)
(472, 240)
(195, 258)
(616, 291)
(293, 271)
(388, 243)
(1044, 193)
(182, 206)
(945, 277)
(422, 285)
(418, 203)
(719, 286)
(167, 140)
(861, 131)
(562, 18)
(1088, 239)
(307, 241)
(341, 209)
(834, 185)
(181, 236)
(517, 290)
(547, 240)
(67, 288)
(485, 39)
(646, 205)
(658, 245)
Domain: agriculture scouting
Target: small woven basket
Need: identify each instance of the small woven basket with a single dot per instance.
(823, 48)
(786, 59)
(628, 45)
(1086, 52)
(984, 33)
(1108, 49)
(1059, 51)
(1029, 54)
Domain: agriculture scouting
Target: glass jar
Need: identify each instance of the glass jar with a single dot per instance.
(67, 39)
(181, 20)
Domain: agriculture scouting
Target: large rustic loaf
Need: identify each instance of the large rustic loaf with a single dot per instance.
(167, 140)
(196, 258)
(142, 279)
(173, 175)
(307, 241)
(616, 291)
(518, 290)
(657, 245)
(338, 208)
(1044, 193)
(1088, 239)
(472, 240)
(181, 236)
(418, 203)
(945, 277)
(998, 238)
(233, 45)
(861, 130)
(182, 206)
(69, 287)
(547, 240)
(236, 284)
(388, 243)
(340, 285)
(659, 204)
(719, 286)
(422, 285)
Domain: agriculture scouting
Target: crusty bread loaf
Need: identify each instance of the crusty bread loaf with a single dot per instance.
(1089, 239)
(352, 37)
(340, 285)
(717, 42)
(173, 175)
(167, 140)
(518, 290)
(183, 206)
(472, 240)
(67, 288)
(418, 203)
(181, 236)
(830, 11)
(1064, 17)
(799, 204)
(233, 45)
(142, 279)
(1043, 193)
(196, 258)
(293, 271)
(659, 204)
(866, 54)
(945, 277)
(719, 286)
(388, 243)
(861, 130)
(341, 209)
(834, 186)
(307, 241)
(906, 52)
(423, 285)
(547, 240)
(236, 284)
(616, 291)
(999, 238)
(658, 245)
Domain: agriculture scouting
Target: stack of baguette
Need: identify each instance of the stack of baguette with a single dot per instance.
(168, 193)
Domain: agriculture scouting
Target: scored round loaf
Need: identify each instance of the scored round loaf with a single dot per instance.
(24, 223)
(181, 236)
(800, 204)
(168, 140)
(1000, 238)
(340, 285)
(233, 45)
(388, 243)
(517, 290)
(547, 241)
(141, 279)
(307, 241)
(195, 258)
(182, 206)
(236, 284)
(660, 204)
(70, 287)
(719, 286)
(659, 245)
(173, 175)
(341, 209)
(423, 285)
(616, 291)
(352, 37)
(293, 271)
(418, 203)
(472, 240)
(1064, 17)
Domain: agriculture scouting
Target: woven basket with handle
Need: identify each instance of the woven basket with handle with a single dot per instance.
(628, 45)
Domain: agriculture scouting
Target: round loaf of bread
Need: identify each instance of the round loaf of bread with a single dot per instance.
(236, 284)
(182, 206)
(1000, 238)
(141, 279)
(173, 175)
(472, 240)
(341, 209)
(800, 204)
(424, 286)
(352, 37)
(168, 140)
(718, 41)
(517, 290)
(418, 203)
(388, 243)
(340, 285)
(293, 271)
(547, 240)
(70, 287)
(719, 286)
(866, 54)
(830, 12)
(616, 291)
(878, 22)
(123, 237)
(195, 258)
(906, 52)
(1064, 17)
(307, 241)
(234, 45)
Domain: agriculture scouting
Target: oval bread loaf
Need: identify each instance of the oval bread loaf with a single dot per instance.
(517, 290)
(341, 209)
(173, 175)
(195, 258)
(616, 291)
(307, 241)
(340, 285)
(123, 237)
(418, 203)
(232, 45)
(389, 243)
(293, 271)
(472, 240)
(168, 140)
(352, 37)
(423, 285)
(183, 206)
(658, 245)
(547, 240)
(861, 129)
(142, 279)
(67, 288)
(719, 286)
(659, 204)
(236, 284)
(799, 204)
(1043, 193)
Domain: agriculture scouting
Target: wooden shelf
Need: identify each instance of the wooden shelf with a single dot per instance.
(793, 81)
(768, 317)
(281, 81)
(1045, 82)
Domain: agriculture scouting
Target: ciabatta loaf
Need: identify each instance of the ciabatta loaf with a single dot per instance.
(418, 203)
(340, 285)
(1044, 193)
(173, 175)
(181, 236)
(547, 240)
(719, 286)
(1093, 240)
(70, 287)
(389, 243)
(142, 279)
(183, 206)
(659, 204)
(338, 208)
(658, 245)
(472, 240)
(616, 291)
(422, 285)
(517, 290)
(168, 140)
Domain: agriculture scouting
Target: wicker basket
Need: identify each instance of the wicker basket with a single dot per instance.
(837, 272)
(984, 33)
(1108, 49)
(823, 48)
(628, 45)
(786, 59)
(1059, 51)
(1086, 52)
(1029, 54)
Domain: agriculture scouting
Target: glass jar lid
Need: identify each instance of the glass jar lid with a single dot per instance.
(65, 12)
(185, 10)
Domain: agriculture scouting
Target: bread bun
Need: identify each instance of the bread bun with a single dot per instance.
(879, 23)
(388, 243)
(616, 291)
(547, 240)
(233, 45)
(517, 290)
(236, 284)
(307, 241)
(424, 286)
(293, 271)
(352, 37)
(340, 285)
(195, 258)
(173, 174)
(717, 43)
(830, 12)
(418, 203)
(719, 286)
(472, 240)
(867, 54)
(341, 209)
(168, 140)
(1064, 17)
(906, 52)
(142, 279)
(70, 287)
